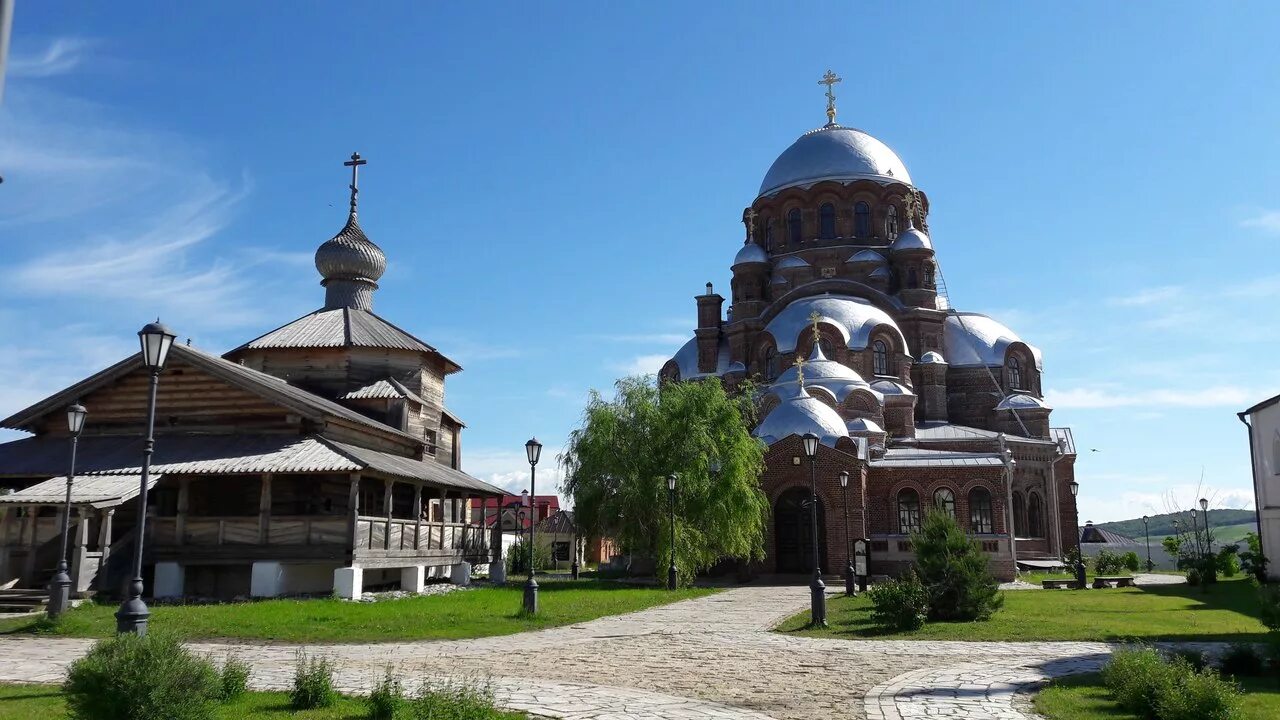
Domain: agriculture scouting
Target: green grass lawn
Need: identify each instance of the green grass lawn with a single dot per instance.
(44, 702)
(1164, 612)
(477, 612)
(1084, 697)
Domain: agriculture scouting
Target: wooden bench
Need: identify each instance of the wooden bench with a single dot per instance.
(1059, 584)
(1100, 582)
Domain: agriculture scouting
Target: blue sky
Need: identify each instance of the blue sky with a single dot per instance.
(553, 183)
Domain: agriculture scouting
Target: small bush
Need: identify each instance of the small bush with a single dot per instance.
(1108, 563)
(151, 677)
(1242, 660)
(233, 680)
(1228, 561)
(1193, 659)
(387, 701)
(1252, 561)
(1193, 576)
(1131, 561)
(454, 701)
(312, 683)
(1138, 678)
(1202, 695)
(902, 604)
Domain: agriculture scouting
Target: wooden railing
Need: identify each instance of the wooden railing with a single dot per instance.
(242, 530)
(379, 533)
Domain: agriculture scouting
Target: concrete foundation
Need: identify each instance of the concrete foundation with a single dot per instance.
(169, 580)
(412, 578)
(461, 574)
(348, 582)
(266, 579)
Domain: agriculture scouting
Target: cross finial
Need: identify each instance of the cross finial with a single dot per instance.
(749, 217)
(830, 79)
(354, 163)
(800, 361)
(814, 319)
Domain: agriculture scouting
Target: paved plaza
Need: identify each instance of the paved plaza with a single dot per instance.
(712, 657)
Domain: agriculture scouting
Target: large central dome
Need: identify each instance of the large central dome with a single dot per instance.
(833, 153)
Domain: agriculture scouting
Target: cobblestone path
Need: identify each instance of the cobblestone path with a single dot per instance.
(712, 657)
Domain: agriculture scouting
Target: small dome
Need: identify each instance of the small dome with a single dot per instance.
(890, 387)
(863, 425)
(833, 153)
(750, 253)
(911, 239)
(832, 375)
(932, 358)
(1022, 401)
(350, 255)
(801, 413)
(866, 257)
(792, 261)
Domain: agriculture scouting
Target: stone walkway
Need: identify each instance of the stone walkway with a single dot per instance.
(712, 657)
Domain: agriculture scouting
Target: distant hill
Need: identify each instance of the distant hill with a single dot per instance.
(1162, 525)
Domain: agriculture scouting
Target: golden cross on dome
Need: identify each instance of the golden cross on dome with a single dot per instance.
(800, 361)
(750, 218)
(814, 319)
(354, 163)
(830, 79)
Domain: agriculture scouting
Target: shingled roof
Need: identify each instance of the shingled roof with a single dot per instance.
(342, 327)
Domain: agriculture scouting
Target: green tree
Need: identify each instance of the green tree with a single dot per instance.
(953, 570)
(617, 462)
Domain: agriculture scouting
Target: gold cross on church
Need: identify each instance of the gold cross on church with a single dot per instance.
(354, 163)
(814, 319)
(830, 79)
(750, 218)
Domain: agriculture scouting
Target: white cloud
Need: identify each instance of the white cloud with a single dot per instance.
(1105, 397)
(1267, 220)
(1149, 296)
(61, 56)
(645, 338)
(643, 365)
(509, 469)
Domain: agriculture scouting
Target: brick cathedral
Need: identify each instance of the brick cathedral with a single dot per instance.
(839, 312)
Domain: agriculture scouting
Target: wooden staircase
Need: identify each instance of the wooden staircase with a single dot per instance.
(23, 600)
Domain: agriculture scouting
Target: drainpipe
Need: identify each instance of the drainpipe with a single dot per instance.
(1253, 469)
(1006, 457)
(1060, 452)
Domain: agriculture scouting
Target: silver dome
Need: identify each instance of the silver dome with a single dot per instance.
(750, 253)
(833, 153)
(932, 358)
(1020, 401)
(911, 239)
(830, 375)
(802, 413)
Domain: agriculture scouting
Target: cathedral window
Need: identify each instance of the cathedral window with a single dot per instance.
(879, 358)
(770, 364)
(928, 275)
(793, 226)
(908, 511)
(945, 500)
(1035, 516)
(1019, 515)
(980, 512)
(861, 220)
(768, 235)
(827, 221)
(1015, 373)
(891, 223)
(913, 280)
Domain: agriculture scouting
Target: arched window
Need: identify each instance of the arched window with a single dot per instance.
(980, 512)
(1015, 373)
(908, 511)
(1019, 515)
(879, 358)
(770, 364)
(793, 226)
(945, 500)
(827, 221)
(928, 275)
(768, 235)
(891, 223)
(913, 281)
(1035, 516)
(861, 220)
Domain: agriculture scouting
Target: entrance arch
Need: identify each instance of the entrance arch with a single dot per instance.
(792, 534)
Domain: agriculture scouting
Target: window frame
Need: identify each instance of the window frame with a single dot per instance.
(795, 227)
(908, 511)
(862, 219)
(981, 512)
(1014, 368)
(891, 223)
(827, 221)
(879, 357)
(945, 503)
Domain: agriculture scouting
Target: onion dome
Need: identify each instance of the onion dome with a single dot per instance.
(350, 262)
(801, 413)
(911, 239)
(830, 375)
(932, 358)
(749, 254)
(835, 153)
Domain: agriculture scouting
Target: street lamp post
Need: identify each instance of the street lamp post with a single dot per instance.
(1081, 577)
(1204, 508)
(848, 554)
(156, 339)
(1146, 530)
(60, 586)
(1195, 533)
(573, 568)
(671, 503)
(533, 449)
(817, 589)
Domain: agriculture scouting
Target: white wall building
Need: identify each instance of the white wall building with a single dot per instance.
(1263, 420)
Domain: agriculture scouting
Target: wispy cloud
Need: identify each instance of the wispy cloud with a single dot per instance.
(1149, 296)
(509, 469)
(1112, 397)
(660, 338)
(642, 364)
(60, 56)
(1266, 220)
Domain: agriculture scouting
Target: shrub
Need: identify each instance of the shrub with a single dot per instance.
(1242, 660)
(1269, 606)
(312, 683)
(1108, 563)
(1131, 561)
(1252, 561)
(1193, 576)
(953, 570)
(902, 604)
(1138, 678)
(234, 678)
(517, 558)
(150, 677)
(1202, 695)
(1193, 659)
(454, 701)
(387, 701)
(1227, 561)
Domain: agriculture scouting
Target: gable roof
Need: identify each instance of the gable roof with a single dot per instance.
(266, 386)
(343, 327)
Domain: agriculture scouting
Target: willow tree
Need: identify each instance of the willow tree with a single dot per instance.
(617, 462)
